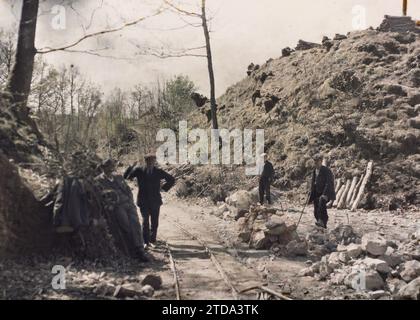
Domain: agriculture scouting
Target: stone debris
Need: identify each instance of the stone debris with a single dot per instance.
(265, 228)
(410, 270)
(400, 24)
(372, 72)
(285, 52)
(305, 45)
(410, 291)
(374, 244)
(384, 269)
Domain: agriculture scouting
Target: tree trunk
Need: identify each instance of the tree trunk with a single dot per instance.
(19, 84)
(210, 67)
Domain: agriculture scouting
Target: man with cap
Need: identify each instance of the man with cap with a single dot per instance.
(322, 190)
(266, 177)
(119, 204)
(149, 198)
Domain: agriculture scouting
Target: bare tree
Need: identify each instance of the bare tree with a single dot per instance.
(204, 24)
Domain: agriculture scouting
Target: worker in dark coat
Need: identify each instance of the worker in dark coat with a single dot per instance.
(119, 204)
(322, 191)
(149, 198)
(266, 178)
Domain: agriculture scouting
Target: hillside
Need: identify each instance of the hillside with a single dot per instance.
(355, 98)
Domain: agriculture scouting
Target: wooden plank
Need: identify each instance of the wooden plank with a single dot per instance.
(363, 186)
(338, 196)
(356, 190)
(337, 185)
(351, 191)
(342, 203)
(268, 290)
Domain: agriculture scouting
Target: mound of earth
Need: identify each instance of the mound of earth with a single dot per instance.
(355, 98)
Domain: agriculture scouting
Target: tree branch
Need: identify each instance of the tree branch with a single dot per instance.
(94, 34)
(182, 11)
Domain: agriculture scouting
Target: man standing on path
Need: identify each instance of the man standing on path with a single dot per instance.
(266, 177)
(149, 198)
(322, 191)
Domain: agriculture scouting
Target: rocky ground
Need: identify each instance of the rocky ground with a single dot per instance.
(355, 98)
(32, 278)
(302, 263)
(382, 248)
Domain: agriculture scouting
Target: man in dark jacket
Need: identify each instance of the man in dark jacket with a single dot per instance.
(149, 198)
(266, 177)
(322, 191)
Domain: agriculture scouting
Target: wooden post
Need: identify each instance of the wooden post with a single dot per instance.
(356, 191)
(338, 196)
(362, 186)
(405, 6)
(338, 185)
(351, 191)
(342, 202)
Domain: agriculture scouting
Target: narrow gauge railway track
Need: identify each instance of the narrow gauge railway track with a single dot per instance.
(263, 292)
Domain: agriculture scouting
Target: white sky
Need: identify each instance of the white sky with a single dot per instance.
(244, 31)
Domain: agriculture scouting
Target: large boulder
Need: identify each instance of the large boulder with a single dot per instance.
(410, 291)
(305, 45)
(376, 264)
(334, 260)
(276, 226)
(241, 200)
(391, 257)
(410, 270)
(259, 240)
(362, 279)
(354, 250)
(394, 285)
(374, 244)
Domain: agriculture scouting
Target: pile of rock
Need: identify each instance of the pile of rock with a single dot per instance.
(269, 228)
(139, 290)
(380, 268)
(398, 24)
(321, 242)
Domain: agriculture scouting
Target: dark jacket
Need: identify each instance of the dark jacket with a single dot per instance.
(71, 208)
(149, 185)
(322, 184)
(268, 171)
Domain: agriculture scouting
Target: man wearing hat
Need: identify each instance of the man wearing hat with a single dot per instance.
(322, 190)
(122, 213)
(149, 198)
(266, 177)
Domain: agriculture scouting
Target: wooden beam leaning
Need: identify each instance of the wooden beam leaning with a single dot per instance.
(351, 191)
(356, 191)
(363, 186)
(342, 202)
